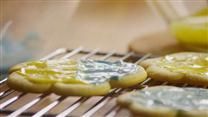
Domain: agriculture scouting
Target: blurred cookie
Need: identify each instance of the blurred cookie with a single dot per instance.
(184, 67)
(166, 101)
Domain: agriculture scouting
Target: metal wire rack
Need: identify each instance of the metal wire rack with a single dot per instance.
(14, 103)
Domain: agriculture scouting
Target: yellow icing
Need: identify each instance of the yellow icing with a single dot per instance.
(190, 64)
(50, 71)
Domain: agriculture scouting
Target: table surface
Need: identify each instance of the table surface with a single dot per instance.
(105, 24)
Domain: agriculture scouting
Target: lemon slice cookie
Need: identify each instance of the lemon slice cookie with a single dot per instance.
(71, 77)
(185, 67)
(167, 101)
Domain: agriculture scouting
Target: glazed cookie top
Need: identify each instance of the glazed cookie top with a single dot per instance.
(196, 63)
(91, 71)
(71, 71)
(171, 97)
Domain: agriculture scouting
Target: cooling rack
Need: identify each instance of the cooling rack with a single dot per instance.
(14, 103)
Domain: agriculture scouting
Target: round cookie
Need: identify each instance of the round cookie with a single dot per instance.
(166, 101)
(76, 78)
(184, 67)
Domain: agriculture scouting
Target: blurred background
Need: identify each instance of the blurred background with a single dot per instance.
(107, 24)
(33, 28)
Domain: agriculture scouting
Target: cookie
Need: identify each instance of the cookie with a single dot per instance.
(184, 67)
(166, 101)
(78, 78)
